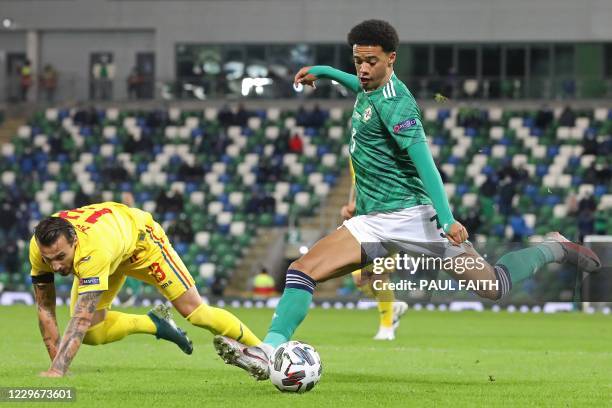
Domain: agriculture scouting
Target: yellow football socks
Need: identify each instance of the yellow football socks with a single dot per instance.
(116, 326)
(220, 321)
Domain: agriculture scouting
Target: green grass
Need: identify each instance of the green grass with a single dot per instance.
(438, 359)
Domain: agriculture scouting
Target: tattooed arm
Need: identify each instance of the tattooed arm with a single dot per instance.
(73, 336)
(47, 323)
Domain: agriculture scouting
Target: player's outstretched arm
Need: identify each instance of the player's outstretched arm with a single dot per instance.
(44, 293)
(421, 156)
(308, 76)
(73, 337)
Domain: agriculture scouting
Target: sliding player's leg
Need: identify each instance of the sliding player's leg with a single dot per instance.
(165, 269)
(109, 326)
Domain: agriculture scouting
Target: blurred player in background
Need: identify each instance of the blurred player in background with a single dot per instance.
(390, 311)
(401, 203)
(102, 244)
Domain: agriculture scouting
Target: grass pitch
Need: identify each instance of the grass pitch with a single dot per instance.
(438, 359)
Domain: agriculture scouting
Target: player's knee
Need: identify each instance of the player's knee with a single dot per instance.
(96, 335)
(301, 266)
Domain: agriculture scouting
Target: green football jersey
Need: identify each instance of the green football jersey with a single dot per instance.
(385, 123)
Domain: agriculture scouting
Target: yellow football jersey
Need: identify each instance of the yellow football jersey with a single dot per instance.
(108, 234)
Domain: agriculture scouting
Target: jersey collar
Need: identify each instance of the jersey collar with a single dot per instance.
(380, 88)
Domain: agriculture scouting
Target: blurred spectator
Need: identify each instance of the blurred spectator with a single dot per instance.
(162, 202)
(472, 221)
(180, 230)
(281, 144)
(56, 142)
(571, 203)
(86, 117)
(295, 144)
(544, 117)
(301, 117)
(489, 187)
(134, 84)
(25, 79)
(317, 117)
(588, 203)
(127, 198)
(137, 143)
(586, 224)
(187, 172)
(506, 194)
(103, 74)
(225, 116)
(589, 143)
(242, 116)
(81, 199)
(175, 202)
(260, 203)
(567, 117)
(48, 82)
(157, 118)
(220, 143)
(263, 284)
(218, 286)
(113, 172)
(8, 219)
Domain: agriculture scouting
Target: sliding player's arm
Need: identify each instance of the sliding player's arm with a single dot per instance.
(44, 293)
(403, 121)
(73, 336)
(308, 75)
(92, 284)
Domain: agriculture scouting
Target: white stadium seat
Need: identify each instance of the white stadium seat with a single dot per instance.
(237, 228)
(224, 218)
(215, 207)
(207, 270)
(202, 238)
(302, 199)
(197, 198)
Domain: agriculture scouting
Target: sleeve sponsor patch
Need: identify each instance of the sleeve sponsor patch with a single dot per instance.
(408, 123)
(89, 281)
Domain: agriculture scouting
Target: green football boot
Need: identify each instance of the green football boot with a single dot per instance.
(168, 330)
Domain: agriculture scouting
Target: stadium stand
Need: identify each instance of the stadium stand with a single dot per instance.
(213, 182)
(234, 179)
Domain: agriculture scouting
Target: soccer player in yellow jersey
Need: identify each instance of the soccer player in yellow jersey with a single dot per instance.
(102, 244)
(389, 310)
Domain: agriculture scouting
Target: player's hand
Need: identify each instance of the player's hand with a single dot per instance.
(457, 233)
(347, 211)
(304, 78)
(51, 373)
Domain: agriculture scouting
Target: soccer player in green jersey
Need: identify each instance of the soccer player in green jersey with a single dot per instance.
(401, 202)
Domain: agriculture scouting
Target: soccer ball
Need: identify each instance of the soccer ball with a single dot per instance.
(295, 367)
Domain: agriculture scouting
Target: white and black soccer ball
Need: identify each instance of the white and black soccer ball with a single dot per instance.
(295, 367)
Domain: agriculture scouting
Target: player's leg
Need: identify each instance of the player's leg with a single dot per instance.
(522, 264)
(389, 311)
(335, 255)
(169, 274)
(109, 326)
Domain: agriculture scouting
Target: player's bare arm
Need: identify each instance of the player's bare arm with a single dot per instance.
(44, 294)
(73, 337)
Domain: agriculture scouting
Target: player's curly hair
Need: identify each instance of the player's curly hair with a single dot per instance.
(51, 229)
(374, 32)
